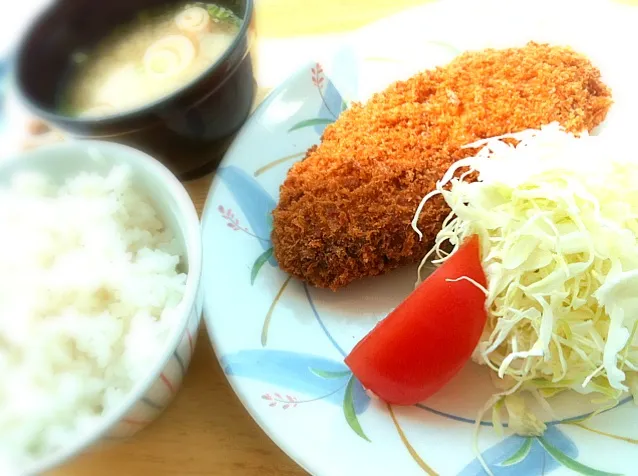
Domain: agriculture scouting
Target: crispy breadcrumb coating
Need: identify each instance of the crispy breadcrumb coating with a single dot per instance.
(345, 210)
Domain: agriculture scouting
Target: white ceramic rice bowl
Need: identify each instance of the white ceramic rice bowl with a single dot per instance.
(152, 394)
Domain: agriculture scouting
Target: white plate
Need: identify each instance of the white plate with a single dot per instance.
(282, 343)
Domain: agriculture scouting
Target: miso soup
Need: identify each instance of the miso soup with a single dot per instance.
(151, 57)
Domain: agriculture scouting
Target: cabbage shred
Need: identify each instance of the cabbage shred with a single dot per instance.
(557, 216)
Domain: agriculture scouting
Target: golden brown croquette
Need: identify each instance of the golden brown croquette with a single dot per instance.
(345, 210)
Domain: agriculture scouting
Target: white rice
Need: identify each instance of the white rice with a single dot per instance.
(89, 279)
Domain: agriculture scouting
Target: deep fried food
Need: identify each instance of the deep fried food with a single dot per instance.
(345, 210)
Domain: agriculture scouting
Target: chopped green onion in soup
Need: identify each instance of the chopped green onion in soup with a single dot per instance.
(150, 58)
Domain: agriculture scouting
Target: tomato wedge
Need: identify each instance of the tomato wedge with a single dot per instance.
(428, 338)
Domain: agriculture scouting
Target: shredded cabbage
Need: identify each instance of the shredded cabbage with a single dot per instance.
(557, 216)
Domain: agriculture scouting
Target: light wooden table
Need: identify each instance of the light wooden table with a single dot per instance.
(206, 430)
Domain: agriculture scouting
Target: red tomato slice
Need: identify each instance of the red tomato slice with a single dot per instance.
(428, 338)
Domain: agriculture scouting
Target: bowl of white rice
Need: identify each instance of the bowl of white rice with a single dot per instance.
(100, 262)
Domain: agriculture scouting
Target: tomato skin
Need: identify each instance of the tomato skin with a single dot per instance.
(429, 337)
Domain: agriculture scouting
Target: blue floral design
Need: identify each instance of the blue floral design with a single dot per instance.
(296, 371)
(254, 202)
(536, 461)
(331, 105)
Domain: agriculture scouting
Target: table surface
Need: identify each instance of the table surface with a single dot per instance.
(206, 430)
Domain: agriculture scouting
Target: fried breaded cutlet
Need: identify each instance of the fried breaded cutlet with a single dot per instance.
(345, 211)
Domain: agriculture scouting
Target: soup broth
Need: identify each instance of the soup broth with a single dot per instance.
(148, 59)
